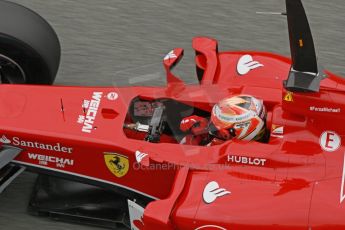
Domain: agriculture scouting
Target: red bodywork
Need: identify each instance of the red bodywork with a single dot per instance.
(295, 181)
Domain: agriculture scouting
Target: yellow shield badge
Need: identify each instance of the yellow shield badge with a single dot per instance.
(117, 164)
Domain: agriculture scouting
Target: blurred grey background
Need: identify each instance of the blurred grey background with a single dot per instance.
(100, 38)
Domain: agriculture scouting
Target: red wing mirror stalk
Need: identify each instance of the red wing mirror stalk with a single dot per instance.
(206, 50)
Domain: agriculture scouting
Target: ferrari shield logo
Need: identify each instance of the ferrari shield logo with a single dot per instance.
(117, 164)
(288, 97)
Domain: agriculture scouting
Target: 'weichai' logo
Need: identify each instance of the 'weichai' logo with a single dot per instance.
(91, 108)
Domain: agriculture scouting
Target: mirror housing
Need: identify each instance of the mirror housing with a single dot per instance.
(169, 62)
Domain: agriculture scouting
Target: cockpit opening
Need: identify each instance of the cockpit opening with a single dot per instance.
(166, 120)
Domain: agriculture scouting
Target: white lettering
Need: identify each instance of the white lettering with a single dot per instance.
(59, 165)
(43, 159)
(324, 109)
(57, 147)
(86, 104)
(81, 119)
(247, 160)
(43, 163)
(16, 141)
(32, 156)
(91, 113)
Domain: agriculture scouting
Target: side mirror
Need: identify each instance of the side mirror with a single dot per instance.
(169, 62)
(172, 58)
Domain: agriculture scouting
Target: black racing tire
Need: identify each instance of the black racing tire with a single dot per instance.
(29, 47)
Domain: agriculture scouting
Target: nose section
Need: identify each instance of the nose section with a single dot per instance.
(12, 104)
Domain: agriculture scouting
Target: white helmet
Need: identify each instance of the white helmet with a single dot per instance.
(242, 117)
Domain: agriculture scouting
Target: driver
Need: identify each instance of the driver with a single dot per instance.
(241, 117)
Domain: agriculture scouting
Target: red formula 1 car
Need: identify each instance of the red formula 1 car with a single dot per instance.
(126, 143)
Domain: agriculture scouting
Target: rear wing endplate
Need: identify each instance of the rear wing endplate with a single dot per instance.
(304, 76)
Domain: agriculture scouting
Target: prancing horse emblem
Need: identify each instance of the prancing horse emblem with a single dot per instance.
(117, 164)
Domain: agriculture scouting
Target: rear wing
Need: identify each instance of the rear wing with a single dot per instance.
(305, 74)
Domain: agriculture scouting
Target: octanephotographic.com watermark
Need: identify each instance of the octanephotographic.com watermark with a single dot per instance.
(172, 167)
